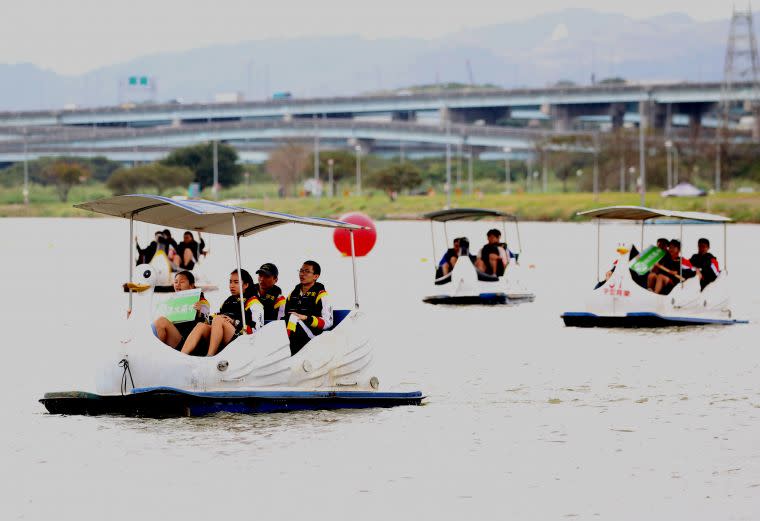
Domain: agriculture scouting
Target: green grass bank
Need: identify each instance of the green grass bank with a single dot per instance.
(528, 206)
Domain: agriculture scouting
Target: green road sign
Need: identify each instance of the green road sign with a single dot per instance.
(646, 260)
(179, 307)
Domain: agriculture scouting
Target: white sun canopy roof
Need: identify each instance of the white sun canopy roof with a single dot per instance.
(200, 215)
(462, 214)
(641, 213)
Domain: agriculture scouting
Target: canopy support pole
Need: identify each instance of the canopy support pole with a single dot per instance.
(519, 242)
(725, 247)
(353, 268)
(240, 277)
(680, 255)
(642, 237)
(432, 236)
(445, 234)
(598, 246)
(131, 258)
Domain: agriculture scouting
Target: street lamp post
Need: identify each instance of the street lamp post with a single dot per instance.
(215, 154)
(508, 172)
(358, 150)
(247, 176)
(578, 174)
(330, 163)
(469, 171)
(668, 146)
(316, 155)
(675, 165)
(26, 172)
(631, 174)
(642, 163)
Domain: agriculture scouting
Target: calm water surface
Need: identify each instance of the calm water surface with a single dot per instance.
(525, 419)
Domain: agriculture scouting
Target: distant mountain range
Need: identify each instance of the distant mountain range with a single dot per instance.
(568, 45)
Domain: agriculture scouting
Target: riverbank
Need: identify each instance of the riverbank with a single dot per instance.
(529, 207)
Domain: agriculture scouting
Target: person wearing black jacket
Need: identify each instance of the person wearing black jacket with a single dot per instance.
(228, 323)
(144, 256)
(705, 263)
(307, 310)
(269, 294)
(189, 251)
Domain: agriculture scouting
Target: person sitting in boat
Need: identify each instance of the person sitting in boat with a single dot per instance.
(269, 294)
(144, 256)
(705, 263)
(493, 257)
(449, 259)
(228, 323)
(188, 251)
(173, 334)
(670, 270)
(307, 310)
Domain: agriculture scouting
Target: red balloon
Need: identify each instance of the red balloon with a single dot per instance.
(364, 240)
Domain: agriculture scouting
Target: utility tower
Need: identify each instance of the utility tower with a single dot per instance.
(741, 71)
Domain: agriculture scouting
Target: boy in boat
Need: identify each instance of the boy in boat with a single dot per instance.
(493, 257)
(268, 293)
(307, 310)
(449, 259)
(173, 334)
(705, 263)
(670, 270)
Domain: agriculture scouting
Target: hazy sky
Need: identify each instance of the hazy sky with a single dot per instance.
(73, 36)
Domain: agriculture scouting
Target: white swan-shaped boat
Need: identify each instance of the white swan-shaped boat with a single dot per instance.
(621, 302)
(254, 373)
(465, 284)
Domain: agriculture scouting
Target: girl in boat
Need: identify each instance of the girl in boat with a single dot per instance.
(228, 323)
(173, 334)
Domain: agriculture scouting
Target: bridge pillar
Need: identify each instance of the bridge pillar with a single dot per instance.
(563, 118)
(404, 115)
(695, 111)
(617, 115)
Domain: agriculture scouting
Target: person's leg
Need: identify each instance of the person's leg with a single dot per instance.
(453, 262)
(651, 281)
(167, 332)
(187, 256)
(445, 268)
(662, 281)
(493, 263)
(199, 332)
(222, 332)
(479, 265)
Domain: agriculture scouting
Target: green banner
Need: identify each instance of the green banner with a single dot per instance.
(646, 261)
(179, 307)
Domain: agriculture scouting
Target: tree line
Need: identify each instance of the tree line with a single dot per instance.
(288, 165)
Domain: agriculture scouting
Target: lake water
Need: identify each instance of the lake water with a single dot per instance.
(525, 419)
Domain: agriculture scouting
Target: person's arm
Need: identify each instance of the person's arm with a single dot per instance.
(279, 307)
(325, 318)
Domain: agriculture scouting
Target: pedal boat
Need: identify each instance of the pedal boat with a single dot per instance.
(465, 285)
(621, 302)
(141, 376)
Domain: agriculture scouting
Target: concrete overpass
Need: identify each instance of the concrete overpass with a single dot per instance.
(655, 103)
(143, 144)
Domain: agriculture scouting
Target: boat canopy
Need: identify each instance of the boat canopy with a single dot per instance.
(463, 214)
(641, 213)
(201, 215)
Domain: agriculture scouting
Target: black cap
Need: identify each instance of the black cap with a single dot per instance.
(268, 269)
